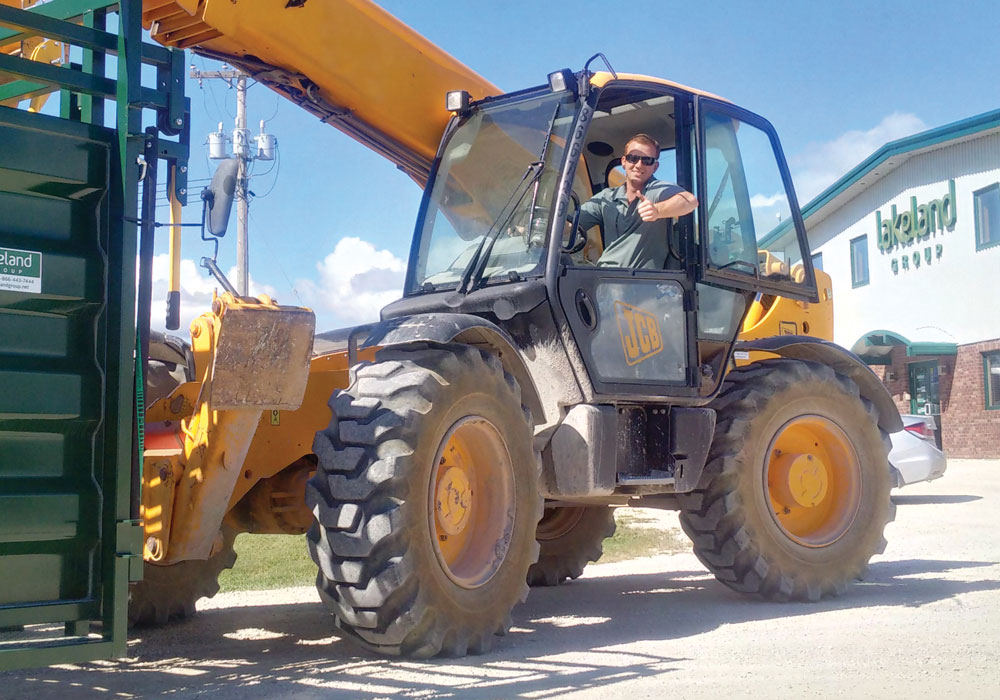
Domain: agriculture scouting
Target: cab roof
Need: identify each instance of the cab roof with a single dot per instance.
(603, 78)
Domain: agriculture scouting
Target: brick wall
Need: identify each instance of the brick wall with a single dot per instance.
(967, 429)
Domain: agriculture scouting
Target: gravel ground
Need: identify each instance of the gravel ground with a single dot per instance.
(925, 623)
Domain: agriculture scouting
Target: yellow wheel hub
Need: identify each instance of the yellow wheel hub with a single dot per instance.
(471, 502)
(454, 501)
(813, 480)
(800, 478)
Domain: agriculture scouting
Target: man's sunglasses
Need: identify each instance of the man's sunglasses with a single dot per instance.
(634, 158)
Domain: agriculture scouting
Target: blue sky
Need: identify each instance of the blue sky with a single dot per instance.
(836, 79)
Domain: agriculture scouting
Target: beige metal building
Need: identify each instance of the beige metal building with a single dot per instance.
(911, 238)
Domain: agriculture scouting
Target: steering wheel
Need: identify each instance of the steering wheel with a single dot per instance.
(578, 237)
(578, 241)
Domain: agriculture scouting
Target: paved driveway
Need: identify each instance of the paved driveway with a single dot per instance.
(925, 624)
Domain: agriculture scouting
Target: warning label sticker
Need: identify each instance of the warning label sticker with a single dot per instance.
(20, 271)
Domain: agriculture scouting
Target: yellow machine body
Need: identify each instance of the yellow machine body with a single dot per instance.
(772, 315)
(236, 443)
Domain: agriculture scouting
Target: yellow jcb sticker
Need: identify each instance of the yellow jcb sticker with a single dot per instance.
(639, 331)
(275, 416)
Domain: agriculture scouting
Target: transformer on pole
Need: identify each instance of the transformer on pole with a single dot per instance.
(246, 148)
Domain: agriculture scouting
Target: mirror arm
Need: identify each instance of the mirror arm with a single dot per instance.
(206, 198)
(210, 265)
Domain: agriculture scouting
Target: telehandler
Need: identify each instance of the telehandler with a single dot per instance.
(477, 434)
(474, 438)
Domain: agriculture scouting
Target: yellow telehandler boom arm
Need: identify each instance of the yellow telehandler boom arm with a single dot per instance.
(348, 62)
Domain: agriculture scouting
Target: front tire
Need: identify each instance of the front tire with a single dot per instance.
(798, 496)
(426, 501)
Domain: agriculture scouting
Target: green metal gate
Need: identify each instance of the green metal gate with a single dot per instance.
(69, 535)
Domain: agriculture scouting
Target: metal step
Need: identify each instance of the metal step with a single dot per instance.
(655, 477)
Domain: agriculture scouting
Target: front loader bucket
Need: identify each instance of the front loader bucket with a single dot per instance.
(262, 356)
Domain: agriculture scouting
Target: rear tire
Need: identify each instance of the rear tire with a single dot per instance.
(170, 364)
(799, 480)
(170, 592)
(569, 538)
(426, 502)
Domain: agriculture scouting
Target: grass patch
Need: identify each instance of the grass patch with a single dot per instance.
(265, 562)
(634, 540)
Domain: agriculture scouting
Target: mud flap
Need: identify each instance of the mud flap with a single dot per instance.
(691, 433)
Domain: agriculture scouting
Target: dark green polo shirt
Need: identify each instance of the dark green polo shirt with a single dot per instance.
(628, 240)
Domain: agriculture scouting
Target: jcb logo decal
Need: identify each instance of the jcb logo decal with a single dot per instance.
(640, 333)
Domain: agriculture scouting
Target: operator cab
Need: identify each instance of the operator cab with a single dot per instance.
(670, 329)
(500, 211)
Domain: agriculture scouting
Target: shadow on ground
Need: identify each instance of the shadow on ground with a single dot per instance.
(933, 499)
(563, 638)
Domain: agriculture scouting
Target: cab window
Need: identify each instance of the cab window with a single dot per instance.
(621, 113)
(749, 228)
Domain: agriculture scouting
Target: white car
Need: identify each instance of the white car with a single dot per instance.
(914, 456)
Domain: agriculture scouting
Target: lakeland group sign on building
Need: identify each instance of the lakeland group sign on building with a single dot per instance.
(916, 225)
(911, 238)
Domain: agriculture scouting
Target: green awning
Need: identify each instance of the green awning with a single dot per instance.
(874, 347)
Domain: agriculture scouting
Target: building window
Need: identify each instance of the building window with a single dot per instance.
(817, 261)
(859, 261)
(986, 204)
(991, 367)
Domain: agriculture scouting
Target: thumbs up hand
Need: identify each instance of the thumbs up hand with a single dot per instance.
(646, 209)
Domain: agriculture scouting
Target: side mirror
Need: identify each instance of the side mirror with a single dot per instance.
(218, 196)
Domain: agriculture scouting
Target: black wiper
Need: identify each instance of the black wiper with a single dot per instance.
(478, 261)
(474, 271)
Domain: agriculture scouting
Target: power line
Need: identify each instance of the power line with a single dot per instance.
(211, 90)
(281, 268)
(277, 103)
(277, 168)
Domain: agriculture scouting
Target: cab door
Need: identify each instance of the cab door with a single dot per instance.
(636, 328)
(751, 232)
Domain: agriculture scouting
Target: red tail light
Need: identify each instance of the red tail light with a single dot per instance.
(921, 430)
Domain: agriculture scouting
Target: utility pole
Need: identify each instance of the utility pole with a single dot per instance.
(241, 149)
(242, 205)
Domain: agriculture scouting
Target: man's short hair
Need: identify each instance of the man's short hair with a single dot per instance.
(645, 140)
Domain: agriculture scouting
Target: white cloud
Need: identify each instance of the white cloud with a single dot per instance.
(354, 282)
(762, 200)
(196, 291)
(818, 165)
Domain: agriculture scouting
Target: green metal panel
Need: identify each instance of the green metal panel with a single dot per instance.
(60, 455)
(68, 195)
(56, 9)
(69, 539)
